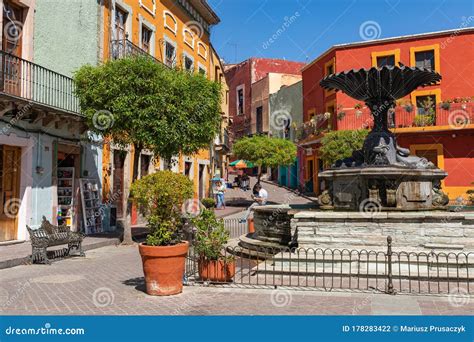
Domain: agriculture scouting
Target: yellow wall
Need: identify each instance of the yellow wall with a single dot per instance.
(153, 13)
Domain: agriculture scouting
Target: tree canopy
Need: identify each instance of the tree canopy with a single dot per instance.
(146, 104)
(265, 151)
(338, 145)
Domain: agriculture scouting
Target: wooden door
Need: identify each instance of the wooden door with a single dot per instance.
(10, 169)
(11, 43)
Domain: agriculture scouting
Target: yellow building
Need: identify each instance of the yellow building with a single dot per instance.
(175, 33)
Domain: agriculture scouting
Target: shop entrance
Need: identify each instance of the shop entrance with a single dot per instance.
(10, 169)
(67, 175)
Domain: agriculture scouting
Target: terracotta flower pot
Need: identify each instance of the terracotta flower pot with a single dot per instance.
(163, 267)
(216, 270)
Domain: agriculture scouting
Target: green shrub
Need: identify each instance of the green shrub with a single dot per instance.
(338, 145)
(208, 203)
(211, 235)
(160, 197)
(424, 120)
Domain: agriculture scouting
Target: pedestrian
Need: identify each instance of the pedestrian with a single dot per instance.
(221, 189)
(260, 198)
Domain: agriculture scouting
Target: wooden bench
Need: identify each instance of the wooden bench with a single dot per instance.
(48, 235)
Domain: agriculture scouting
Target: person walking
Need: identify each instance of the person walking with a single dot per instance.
(221, 188)
(260, 197)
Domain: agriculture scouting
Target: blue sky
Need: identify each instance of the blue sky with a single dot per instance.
(303, 29)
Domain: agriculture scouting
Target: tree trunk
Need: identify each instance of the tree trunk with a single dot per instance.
(127, 229)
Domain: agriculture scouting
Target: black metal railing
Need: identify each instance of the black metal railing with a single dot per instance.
(32, 82)
(337, 269)
(124, 48)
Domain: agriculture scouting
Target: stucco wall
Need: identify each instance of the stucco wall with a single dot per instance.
(66, 34)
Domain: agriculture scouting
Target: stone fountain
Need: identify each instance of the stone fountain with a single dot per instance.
(383, 175)
(380, 190)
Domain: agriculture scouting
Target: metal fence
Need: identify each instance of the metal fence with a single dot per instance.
(32, 82)
(337, 269)
(235, 228)
(124, 48)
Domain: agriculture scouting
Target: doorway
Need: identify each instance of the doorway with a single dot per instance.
(201, 181)
(10, 169)
(310, 176)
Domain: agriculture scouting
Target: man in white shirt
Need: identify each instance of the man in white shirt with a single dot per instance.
(260, 199)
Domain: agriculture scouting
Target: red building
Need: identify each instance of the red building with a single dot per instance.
(436, 122)
(240, 78)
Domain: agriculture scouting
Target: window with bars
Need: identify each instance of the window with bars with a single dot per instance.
(120, 23)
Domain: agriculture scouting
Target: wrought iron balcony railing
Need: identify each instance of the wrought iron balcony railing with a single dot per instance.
(123, 48)
(29, 81)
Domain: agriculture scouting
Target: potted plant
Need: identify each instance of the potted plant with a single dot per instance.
(160, 196)
(408, 107)
(210, 240)
(446, 105)
(208, 203)
(423, 120)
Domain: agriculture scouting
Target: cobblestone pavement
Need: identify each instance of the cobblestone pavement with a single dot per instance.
(110, 281)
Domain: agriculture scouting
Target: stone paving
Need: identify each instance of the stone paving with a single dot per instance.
(109, 281)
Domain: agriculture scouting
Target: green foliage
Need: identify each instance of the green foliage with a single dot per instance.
(150, 106)
(211, 235)
(208, 202)
(160, 197)
(424, 120)
(265, 151)
(337, 145)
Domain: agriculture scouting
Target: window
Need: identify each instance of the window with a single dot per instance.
(330, 69)
(120, 23)
(144, 165)
(188, 63)
(202, 71)
(240, 100)
(259, 120)
(146, 39)
(385, 58)
(187, 168)
(425, 59)
(386, 61)
(170, 53)
(426, 105)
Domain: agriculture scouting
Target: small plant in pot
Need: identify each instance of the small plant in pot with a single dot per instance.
(160, 197)
(211, 238)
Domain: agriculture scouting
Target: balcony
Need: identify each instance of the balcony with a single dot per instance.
(124, 48)
(23, 80)
(403, 118)
(222, 141)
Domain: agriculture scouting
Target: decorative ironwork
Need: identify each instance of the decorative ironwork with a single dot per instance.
(32, 82)
(123, 48)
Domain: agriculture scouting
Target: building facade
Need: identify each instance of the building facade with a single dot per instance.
(436, 122)
(43, 153)
(248, 93)
(286, 108)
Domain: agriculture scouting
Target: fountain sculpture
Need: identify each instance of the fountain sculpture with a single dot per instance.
(382, 175)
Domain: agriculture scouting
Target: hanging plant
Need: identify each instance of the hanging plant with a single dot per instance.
(446, 105)
(341, 115)
(408, 107)
(358, 106)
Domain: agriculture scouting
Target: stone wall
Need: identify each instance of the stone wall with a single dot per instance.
(438, 231)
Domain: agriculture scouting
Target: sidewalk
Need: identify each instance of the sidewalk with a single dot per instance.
(109, 281)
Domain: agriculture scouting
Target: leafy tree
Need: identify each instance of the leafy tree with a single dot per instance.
(138, 102)
(265, 151)
(337, 145)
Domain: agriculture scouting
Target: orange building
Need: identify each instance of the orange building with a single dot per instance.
(175, 33)
(436, 122)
